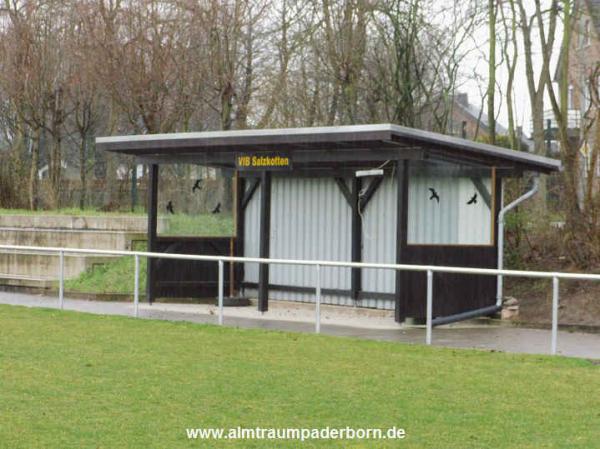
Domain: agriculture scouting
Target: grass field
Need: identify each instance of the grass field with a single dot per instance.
(115, 277)
(212, 225)
(70, 380)
(180, 224)
(111, 277)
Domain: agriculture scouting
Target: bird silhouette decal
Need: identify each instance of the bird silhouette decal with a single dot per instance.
(217, 209)
(197, 185)
(434, 195)
(473, 200)
(170, 207)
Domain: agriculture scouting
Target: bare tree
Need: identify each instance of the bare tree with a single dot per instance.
(72, 69)
(510, 50)
(491, 92)
(24, 81)
(85, 91)
(414, 61)
(546, 30)
(582, 226)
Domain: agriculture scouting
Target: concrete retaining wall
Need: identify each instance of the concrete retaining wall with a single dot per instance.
(117, 240)
(133, 224)
(44, 265)
(37, 270)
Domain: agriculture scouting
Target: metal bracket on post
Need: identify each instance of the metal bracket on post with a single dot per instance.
(220, 293)
(429, 316)
(555, 292)
(61, 279)
(136, 287)
(318, 300)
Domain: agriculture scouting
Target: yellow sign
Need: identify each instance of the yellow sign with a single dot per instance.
(263, 161)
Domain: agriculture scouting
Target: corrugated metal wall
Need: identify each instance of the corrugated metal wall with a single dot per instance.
(310, 219)
(251, 236)
(431, 221)
(379, 242)
(450, 220)
(475, 219)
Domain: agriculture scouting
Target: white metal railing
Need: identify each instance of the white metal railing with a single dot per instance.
(318, 264)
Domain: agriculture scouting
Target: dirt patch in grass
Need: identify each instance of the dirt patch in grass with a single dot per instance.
(579, 302)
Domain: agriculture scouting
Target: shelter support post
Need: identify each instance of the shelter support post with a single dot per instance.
(265, 234)
(356, 252)
(401, 217)
(152, 218)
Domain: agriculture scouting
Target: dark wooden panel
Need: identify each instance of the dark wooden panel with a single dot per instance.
(190, 279)
(452, 293)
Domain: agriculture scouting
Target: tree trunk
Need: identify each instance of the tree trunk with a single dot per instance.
(82, 171)
(492, 73)
(539, 144)
(110, 177)
(33, 170)
(55, 169)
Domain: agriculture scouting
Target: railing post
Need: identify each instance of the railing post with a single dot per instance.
(429, 306)
(220, 292)
(555, 288)
(61, 279)
(136, 287)
(318, 299)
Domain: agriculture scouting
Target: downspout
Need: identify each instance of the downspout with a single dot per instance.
(501, 215)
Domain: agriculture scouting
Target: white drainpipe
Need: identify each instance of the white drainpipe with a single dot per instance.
(501, 215)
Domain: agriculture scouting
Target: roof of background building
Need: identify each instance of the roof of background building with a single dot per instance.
(462, 101)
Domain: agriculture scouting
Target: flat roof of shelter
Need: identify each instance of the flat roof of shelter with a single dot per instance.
(331, 146)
